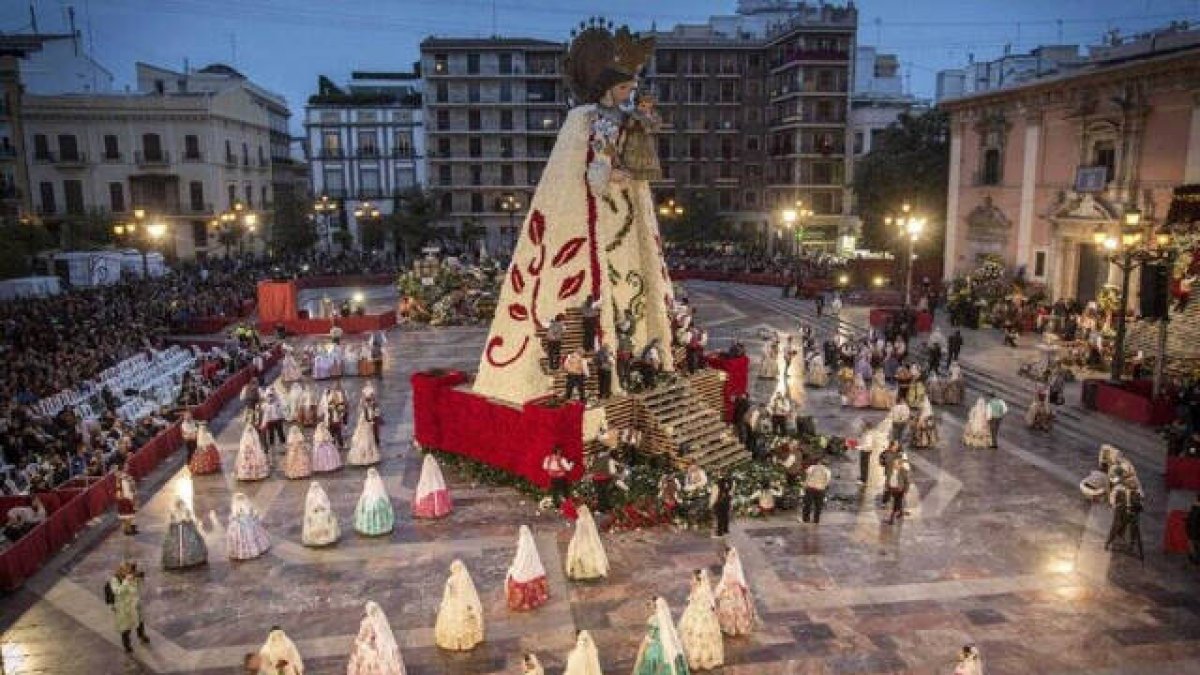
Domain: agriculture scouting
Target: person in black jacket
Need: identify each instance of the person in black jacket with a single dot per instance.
(1193, 531)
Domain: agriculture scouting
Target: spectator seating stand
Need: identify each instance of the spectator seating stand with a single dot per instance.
(74, 504)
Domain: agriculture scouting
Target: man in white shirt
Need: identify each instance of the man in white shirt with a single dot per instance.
(576, 368)
(816, 481)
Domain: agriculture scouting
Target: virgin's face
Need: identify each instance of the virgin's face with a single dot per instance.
(622, 92)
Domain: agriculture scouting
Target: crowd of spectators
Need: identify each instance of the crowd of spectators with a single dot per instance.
(61, 343)
(807, 264)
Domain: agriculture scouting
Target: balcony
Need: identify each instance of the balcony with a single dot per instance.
(112, 157)
(193, 157)
(263, 163)
(370, 193)
(230, 159)
(330, 153)
(403, 153)
(75, 160)
(45, 157)
(368, 152)
(199, 207)
(793, 56)
(8, 152)
(146, 159)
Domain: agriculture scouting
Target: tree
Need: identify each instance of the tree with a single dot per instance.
(700, 222)
(85, 231)
(373, 233)
(294, 229)
(470, 235)
(22, 241)
(909, 161)
(412, 223)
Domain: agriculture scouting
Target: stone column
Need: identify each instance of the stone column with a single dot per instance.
(1030, 154)
(1191, 168)
(950, 256)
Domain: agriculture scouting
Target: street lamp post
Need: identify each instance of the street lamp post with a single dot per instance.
(367, 212)
(670, 210)
(794, 217)
(910, 227)
(325, 208)
(510, 204)
(1131, 257)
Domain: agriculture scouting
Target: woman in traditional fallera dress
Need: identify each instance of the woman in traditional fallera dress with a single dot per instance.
(976, 433)
(207, 458)
(935, 388)
(583, 659)
(432, 499)
(279, 649)
(955, 388)
(795, 379)
(881, 396)
(297, 462)
(970, 662)
(325, 455)
(251, 463)
(295, 403)
(859, 396)
(925, 432)
(350, 360)
(183, 546)
(375, 651)
(699, 628)
(661, 652)
(307, 414)
(459, 625)
(916, 392)
(321, 526)
(245, 536)
(374, 515)
(525, 586)
(289, 370)
(530, 665)
(586, 558)
(818, 373)
(735, 603)
(768, 369)
(364, 451)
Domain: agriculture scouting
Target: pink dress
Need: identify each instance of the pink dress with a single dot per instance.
(245, 537)
(432, 499)
(325, 455)
(297, 463)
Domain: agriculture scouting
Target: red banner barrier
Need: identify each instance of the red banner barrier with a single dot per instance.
(78, 501)
(349, 324)
(345, 280)
(516, 440)
(1175, 538)
(737, 380)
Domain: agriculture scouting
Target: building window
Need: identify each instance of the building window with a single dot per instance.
(191, 147)
(445, 176)
(73, 196)
(402, 144)
(199, 234)
(443, 120)
(262, 158)
(695, 147)
(752, 143)
(696, 92)
(441, 64)
(262, 197)
(506, 92)
(366, 144)
(473, 92)
(248, 190)
(231, 194)
(729, 93)
(506, 146)
(506, 174)
(750, 198)
(245, 154)
(476, 202)
(474, 120)
(664, 146)
(694, 174)
(664, 92)
(41, 147)
(991, 167)
(1039, 264)
(406, 177)
(506, 120)
(475, 146)
(506, 64)
(665, 62)
(472, 64)
(196, 195)
(46, 189)
(112, 150)
(858, 143)
(68, 147)
(368, 182)
(229, 158)
(441, 92)
(116, 197)
(447, 202)
(444, 147)
(1104, 153)
(476, 175)
(152, 147)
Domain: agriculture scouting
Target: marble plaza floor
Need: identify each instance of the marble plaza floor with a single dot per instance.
(1000, 550)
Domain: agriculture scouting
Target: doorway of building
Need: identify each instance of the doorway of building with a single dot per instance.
(1093, 273)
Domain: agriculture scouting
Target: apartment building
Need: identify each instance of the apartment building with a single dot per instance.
(493, 108)
(183, 149)
(366, 143)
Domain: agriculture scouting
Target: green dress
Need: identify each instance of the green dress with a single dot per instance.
(652, 659)
(374, 517)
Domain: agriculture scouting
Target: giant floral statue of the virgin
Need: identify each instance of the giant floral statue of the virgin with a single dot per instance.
(590, 230)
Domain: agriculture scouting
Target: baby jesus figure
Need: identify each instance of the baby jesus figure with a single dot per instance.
(639, 151)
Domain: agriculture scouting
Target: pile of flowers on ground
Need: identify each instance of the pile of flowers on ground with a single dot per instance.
(448, 293)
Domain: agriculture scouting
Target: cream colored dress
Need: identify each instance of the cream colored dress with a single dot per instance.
(699, 628)
(586, 558)
(459, 625)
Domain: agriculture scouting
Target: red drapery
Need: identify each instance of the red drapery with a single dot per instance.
(1175, 539)
(349, 324)
(737, 382)
(513, 439)
(1183, 473)
(276, 301)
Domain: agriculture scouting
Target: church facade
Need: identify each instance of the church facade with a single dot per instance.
(1037, 170)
